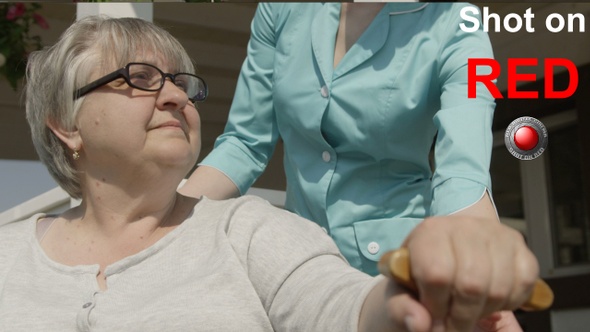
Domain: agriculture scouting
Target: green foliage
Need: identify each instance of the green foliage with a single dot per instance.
(16, 41)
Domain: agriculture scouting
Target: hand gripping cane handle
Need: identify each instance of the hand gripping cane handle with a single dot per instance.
(396, 264)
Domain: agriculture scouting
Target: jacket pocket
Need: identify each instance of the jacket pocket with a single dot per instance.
(377, 236)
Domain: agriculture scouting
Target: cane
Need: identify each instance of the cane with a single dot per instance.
(396, 264)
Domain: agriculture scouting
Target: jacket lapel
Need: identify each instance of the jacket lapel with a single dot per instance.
(323, 38)
(368, 44)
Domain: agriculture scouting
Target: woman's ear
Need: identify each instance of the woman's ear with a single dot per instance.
(70, 137)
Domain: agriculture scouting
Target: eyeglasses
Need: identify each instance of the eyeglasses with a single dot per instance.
(147, 77)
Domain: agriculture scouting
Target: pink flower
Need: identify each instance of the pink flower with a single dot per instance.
(15, 11)
(40, 21)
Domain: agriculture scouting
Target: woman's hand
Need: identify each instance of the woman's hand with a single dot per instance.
(468, 265)
(503, 321)
(470, 272)
(391, 307)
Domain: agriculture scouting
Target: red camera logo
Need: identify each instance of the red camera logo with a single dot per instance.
(526, 138)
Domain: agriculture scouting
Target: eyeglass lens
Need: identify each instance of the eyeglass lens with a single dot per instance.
(147, 77)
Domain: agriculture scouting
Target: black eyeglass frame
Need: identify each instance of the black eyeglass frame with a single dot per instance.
(124, 73)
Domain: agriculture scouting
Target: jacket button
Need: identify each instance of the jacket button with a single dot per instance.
(373, 248)
(324, 91)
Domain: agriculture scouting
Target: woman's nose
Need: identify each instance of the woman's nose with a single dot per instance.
(171, 97)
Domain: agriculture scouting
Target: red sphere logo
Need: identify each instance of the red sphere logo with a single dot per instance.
(526, 138)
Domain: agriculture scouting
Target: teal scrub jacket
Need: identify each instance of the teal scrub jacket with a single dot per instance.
(357, 137)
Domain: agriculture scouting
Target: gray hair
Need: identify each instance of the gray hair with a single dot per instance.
(54, 73)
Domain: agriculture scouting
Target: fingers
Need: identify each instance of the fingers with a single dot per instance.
(408, 314)
(515, 270)
(526, 272)
(473, 278)
(389, 307)
(502, 279)
(466, 269)
(433, 266)
(453, 277)
(489, 323)
(503, 321)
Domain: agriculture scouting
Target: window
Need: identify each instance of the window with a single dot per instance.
(569, 215)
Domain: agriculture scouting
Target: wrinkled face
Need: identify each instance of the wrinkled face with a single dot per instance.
(122, 126)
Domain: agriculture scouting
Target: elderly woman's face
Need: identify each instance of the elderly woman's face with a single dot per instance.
(119, 124)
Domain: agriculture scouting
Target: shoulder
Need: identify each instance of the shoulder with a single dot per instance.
(246, 207)
(449, 9)
(246, 216)
(288, 7)
(267, 238)
(16, 230)
(449, 15)
(232, 203)
(15, 235)
(281, 12)
(450, 25)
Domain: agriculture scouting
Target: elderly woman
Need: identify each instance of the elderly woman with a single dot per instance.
(113, 114)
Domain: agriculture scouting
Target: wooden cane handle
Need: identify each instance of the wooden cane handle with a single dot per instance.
(396, 264)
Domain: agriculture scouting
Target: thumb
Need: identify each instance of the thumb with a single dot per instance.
(409, 314)
(501, 321)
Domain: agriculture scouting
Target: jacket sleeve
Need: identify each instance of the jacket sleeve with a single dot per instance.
(244, 149)
(463, 145)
